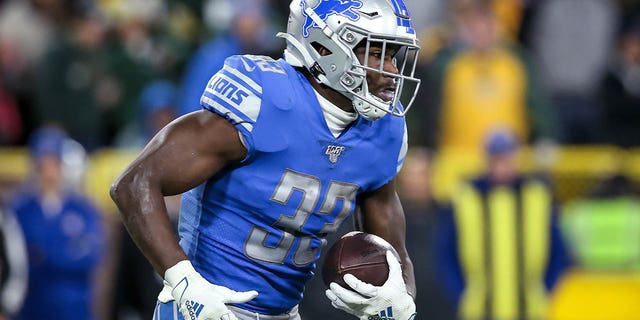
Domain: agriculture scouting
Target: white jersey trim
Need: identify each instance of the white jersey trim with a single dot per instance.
(244, 78)
(223, 110)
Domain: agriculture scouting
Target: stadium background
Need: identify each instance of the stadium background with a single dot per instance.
(137, 42)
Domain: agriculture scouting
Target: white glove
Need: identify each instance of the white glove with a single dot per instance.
(197, 298)
(389, 301)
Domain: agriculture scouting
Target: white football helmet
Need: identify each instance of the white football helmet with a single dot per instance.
(340, 26)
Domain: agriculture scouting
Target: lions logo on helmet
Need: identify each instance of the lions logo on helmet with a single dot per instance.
(345, 8)
(342, 25)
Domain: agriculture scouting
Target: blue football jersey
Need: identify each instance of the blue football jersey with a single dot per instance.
(260, 225)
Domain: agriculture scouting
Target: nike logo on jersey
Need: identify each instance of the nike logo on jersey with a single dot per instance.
(247, 66)
(334, 152)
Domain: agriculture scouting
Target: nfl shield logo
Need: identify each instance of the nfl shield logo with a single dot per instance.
(334, 152)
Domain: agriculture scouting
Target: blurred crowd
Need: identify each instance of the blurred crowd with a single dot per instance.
(497, 75)
(554, 71)
(83, 65)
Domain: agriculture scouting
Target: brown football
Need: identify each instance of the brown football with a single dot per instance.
(360, 254)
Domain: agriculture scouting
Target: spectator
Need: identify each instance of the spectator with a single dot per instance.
(483, 83)
(571, 41)
(139, 52)
(157, 107)
(64, 236)
(71, 84)
(26, 30)
(499, 249)
(25, 33)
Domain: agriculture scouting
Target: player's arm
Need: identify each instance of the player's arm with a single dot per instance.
(382, 215)
(181, 156)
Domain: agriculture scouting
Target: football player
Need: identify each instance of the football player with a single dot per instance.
(281, 153)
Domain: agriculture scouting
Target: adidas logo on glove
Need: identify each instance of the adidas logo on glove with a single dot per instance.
(194, 309)
(383, 315)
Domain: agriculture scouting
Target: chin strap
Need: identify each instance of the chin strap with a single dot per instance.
(367, 110)
(364, 107)
(314, 68)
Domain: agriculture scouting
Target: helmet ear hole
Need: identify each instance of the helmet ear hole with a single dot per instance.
(320, 49)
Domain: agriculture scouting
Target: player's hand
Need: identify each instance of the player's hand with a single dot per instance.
(391, 300)
(197, 298)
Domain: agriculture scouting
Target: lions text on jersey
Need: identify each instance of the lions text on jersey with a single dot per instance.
(260, 225)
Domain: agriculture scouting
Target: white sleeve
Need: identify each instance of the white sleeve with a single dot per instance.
(14, 288)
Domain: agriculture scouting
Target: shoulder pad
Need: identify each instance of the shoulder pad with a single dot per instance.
(240, 91)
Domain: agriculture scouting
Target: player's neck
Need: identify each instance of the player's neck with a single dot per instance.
(330, 94)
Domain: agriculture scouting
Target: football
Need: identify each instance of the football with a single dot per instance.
(360, 254)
